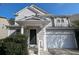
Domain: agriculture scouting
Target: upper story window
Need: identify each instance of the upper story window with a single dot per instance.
(58, 21)
(61, 22)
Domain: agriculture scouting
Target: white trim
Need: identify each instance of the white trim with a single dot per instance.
(45, 44)
(45, 40)
(39, 46)
(38, 9)
(69, 22)
(8, 32)
(28, 37)
(22, 30)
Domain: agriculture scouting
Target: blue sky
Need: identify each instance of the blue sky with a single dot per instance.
(8, 10)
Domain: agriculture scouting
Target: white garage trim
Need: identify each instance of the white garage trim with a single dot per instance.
(45, 44)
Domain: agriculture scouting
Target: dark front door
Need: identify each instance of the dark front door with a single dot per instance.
(33, 36)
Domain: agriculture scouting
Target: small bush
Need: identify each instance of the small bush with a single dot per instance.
(16, 45)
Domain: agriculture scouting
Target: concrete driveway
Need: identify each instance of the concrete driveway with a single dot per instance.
(63, 51)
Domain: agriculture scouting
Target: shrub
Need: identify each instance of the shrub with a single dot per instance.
(16, 45)
(2, 48)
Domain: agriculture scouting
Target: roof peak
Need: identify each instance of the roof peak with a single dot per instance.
(33, 6)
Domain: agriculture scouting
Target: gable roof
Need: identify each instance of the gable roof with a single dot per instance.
(33, 8)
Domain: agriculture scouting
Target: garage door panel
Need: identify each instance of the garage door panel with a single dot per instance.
(51, 42)
(68, 41)
(60, 40)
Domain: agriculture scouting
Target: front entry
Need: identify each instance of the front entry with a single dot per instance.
(33, 39)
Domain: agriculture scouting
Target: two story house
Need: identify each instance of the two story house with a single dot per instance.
(44, 31)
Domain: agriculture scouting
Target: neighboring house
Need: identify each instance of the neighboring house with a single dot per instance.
(3, 29)
(44, 31)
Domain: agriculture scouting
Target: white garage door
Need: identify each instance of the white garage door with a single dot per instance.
(60, 39)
